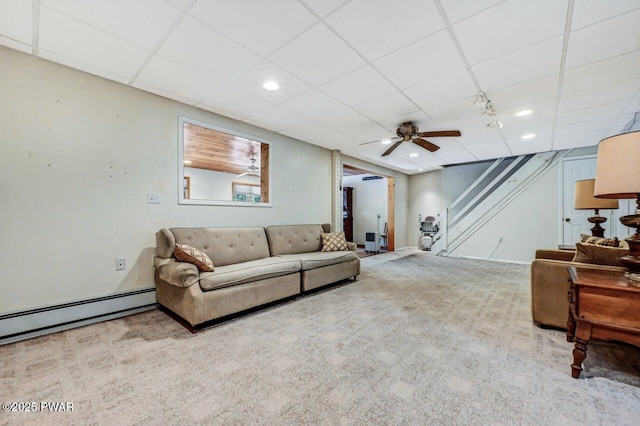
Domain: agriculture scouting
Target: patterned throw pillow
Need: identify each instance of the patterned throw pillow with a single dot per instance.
(334, 241)
(599, 255)
(186, 253)
(599, 241)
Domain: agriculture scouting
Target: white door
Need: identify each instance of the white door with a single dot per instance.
(575, 221)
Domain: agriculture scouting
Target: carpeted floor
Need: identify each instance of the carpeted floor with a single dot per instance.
(417, 339)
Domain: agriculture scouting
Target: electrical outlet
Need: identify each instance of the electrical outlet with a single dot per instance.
(153, 198)
(120, 264)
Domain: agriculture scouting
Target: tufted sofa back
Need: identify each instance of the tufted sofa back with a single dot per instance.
(293, 239)
(224, 246)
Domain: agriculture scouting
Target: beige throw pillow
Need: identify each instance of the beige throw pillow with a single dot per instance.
(186, 253)
(334, 241)
(599, 255)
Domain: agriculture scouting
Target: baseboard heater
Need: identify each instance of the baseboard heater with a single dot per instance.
(37, 322)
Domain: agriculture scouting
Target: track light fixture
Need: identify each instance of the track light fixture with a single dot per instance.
(483, 102)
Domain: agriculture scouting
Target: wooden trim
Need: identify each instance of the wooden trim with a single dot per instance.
(264, 172)
(391, 213)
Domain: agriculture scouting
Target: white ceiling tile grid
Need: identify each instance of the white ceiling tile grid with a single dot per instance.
(350, 71)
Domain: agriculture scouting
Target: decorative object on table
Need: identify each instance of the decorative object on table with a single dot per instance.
(618, 176)
(584, 200)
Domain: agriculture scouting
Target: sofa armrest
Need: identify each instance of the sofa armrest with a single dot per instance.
(179, 274)
(566, 255)
(549, 288)
(352, 246)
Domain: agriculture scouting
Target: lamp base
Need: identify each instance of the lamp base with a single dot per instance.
(597, 230)
(632, 260)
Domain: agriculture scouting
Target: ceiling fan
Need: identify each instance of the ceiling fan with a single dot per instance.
(251, 170)
(409, 132)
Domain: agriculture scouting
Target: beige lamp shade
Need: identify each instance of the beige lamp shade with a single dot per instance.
(618, 169)
(584, 199)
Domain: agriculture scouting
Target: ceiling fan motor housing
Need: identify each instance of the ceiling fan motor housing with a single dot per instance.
(407, 130)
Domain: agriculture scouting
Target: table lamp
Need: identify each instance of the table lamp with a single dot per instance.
(618, 176)
(584, 200)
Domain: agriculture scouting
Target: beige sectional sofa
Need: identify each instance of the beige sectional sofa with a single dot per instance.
(253, 266)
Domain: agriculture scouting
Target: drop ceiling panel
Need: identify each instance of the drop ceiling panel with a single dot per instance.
(335, 140)
(524, 93)
(196, 46)
(251, 83)
(306, 130)
(371, 25)
(16, 23)
(86, 45)
(602, 124)
(613, 109)
(451, 151)
(324, 7)
(610, 71)
(236, 102)
(607, 39)
(424, 60)
(589, 12)
(344, 120)
(520, 66)
(313, 104)
(173, 80)
(302, 56)
(540, 143)
(458, 10)
(275, 119)
(456, 111)
(510, 26)
(261, 26)
(385, 107)
(577, 140)
(599, 95)
(542, 115)
(445, 89)
(367, 132)
(140, 22)
(359, 86)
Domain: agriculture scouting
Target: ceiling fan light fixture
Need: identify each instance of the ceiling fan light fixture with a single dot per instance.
(271, 85)
(251, 170)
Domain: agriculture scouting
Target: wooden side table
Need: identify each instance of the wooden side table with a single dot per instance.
(603, 305)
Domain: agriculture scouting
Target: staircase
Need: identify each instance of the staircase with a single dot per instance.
(502, 182)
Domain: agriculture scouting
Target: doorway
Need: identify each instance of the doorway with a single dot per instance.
(369, 207)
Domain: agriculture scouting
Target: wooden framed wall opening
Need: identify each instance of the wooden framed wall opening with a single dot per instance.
(348, 170)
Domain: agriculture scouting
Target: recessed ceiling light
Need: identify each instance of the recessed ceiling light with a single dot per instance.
(271, 85)
(420, 170)
(529, 136)
(413, 154)
(386, 142)
(523, 113)
(187, 162)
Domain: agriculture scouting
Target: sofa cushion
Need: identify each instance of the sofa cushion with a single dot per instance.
(319, 259)
(599, 255)
(599, 241)
(291, 239)
(334, 241)
(189, 254)
(246, 272)
(226, 246)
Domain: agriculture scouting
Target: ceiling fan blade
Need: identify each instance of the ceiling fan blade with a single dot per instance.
(244, 174)
(392, 148)
(440, 133)
(379, 140)
(431, 147)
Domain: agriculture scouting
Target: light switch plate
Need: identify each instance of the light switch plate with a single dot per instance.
(153, 198)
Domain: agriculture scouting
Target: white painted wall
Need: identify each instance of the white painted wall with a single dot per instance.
(369, 200)
(526, 224)
(211, 185)
(78, 155)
